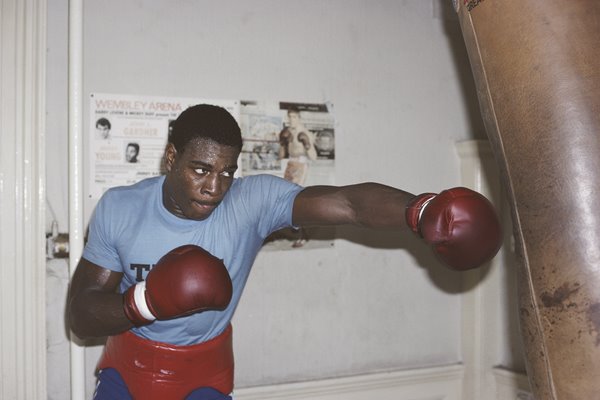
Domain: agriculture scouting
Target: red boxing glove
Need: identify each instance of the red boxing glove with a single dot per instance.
(186, 280)
(460, 224)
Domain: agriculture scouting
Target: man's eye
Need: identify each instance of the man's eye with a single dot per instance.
(201, 171)
(228, 174)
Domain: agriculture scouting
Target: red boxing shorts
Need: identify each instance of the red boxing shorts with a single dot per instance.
(157, 371)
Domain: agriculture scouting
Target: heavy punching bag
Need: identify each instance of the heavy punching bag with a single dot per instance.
(536, 65)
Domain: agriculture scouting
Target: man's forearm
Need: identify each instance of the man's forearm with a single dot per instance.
(95, 313)
(378, 206)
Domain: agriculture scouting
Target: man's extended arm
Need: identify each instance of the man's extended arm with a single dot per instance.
(460, 224)
(370, 205)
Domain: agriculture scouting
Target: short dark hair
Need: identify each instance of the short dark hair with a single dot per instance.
(205, 121)
(136, 146)
(103, 122)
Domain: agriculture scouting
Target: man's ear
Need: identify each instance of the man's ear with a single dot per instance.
(170, 154)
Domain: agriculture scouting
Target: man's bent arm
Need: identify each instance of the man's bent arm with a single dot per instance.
(95, 308)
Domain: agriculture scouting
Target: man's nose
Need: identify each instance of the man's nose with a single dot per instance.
(211, 184)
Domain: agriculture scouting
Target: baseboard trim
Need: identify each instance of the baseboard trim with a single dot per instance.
(438, 383)
(511, 385)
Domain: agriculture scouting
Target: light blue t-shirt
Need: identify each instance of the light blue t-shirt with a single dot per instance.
(130, 230)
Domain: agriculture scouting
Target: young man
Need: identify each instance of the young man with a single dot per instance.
(167, 258)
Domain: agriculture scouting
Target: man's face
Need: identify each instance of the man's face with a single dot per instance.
(130, 153)
(293, 119)
(104, 130)
(198, 178)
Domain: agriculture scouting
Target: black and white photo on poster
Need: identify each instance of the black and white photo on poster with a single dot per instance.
(295, 141)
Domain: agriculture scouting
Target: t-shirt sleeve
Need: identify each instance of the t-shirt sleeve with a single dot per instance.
(271, 200)
(100, 247)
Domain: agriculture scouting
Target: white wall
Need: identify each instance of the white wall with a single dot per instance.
(398, 76)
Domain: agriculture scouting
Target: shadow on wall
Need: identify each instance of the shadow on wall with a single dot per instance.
(445, 279)
(460, 58)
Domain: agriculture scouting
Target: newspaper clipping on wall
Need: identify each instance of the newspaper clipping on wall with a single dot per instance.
(295, 141)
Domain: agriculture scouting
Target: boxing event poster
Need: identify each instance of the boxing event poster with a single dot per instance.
(128, 135)
(296, 142)
(292, 140)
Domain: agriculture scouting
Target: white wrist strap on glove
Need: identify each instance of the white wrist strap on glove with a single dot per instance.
(139, 297)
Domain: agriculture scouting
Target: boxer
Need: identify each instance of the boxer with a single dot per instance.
(295, 140)
(167, 308)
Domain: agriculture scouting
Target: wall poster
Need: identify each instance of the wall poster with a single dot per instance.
(296, 141)
(128, 135)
